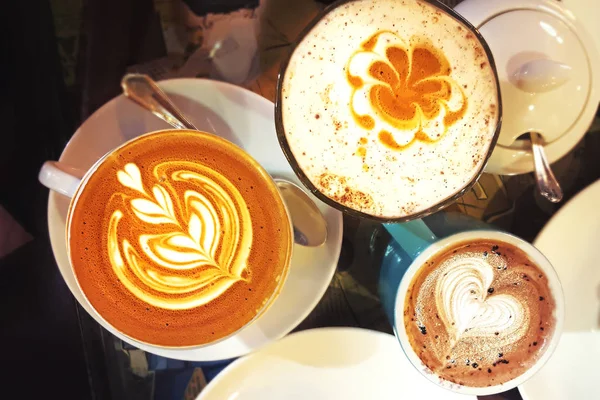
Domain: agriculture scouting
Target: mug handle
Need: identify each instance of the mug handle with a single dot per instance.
(413, 236)
(409, 239)
(54, 176)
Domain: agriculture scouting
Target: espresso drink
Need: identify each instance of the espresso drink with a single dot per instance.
(179, 239)
(480, 313)
(389, 107)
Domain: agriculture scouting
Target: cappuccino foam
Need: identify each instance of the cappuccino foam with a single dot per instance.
(179, 239)
(389, 107)
(479, 314)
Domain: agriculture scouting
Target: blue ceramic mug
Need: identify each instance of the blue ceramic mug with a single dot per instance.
(413, 244)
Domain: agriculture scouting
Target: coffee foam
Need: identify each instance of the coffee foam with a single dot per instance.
(389, 107)
(480, 314)
(465, 307)
(205, 253)
(177, 239)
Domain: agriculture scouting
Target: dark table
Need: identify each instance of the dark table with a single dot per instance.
(52, 346)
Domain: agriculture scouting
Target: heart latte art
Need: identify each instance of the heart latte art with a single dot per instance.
(479, 314)
(206, 244)
(179, 239)
(466, 307)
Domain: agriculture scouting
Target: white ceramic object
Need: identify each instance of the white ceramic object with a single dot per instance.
(541, 75)
(587, 13)
(325, 364)
(446, 244)
(570, 241)
(246, 119)
(545, 61)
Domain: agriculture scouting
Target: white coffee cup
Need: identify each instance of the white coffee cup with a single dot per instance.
(420, 251)
(72, 182)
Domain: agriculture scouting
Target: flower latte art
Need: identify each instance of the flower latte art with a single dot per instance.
(201, 257)
(179, 239)
(406, 87)
(479, 314)
(388, 107)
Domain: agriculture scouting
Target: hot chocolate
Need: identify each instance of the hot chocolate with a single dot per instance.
(389, 107)
(480, 313)
(179, 239)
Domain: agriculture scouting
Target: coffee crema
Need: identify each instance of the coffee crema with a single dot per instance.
(395, 115)
(479, 314)
(179, 239)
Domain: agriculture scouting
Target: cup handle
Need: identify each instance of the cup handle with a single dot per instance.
(409, 240)
(413, 236)
(55, 177)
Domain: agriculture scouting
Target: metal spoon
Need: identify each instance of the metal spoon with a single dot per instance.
(144, 91)
(545, 179)
(310, 228)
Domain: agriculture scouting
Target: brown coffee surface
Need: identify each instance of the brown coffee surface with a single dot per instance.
(179, 239)
(479, 314)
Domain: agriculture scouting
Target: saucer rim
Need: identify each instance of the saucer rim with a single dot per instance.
(189, 353)
(316, 334)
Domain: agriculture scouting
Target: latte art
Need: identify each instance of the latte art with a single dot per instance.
(479, 314)
(205, 249)
(403, 90)
(466, 307)
(179, 239)
(388, 107)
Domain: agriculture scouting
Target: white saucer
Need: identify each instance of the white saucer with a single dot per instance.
(324, 364)
(579, 17)
(246, 119)
(570, 241)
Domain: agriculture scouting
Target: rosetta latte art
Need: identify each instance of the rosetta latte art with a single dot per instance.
(403, 90)
(180, 251)
(466, 307)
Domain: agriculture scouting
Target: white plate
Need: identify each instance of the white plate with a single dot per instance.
(571, 242)
(324, 364)
(246, 119)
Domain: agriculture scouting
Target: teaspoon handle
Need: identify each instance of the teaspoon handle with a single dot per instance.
(545, 179)
(144, 91)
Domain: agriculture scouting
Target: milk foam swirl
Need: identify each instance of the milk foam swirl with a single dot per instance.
(466, 307)
(184, 249)
(397, 98)
(403, 90)
(480, 313)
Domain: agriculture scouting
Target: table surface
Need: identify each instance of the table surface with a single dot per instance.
(510, 203)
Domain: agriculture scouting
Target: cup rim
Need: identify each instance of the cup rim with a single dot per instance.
(439, 246)
(283, 143)
(268, 179)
